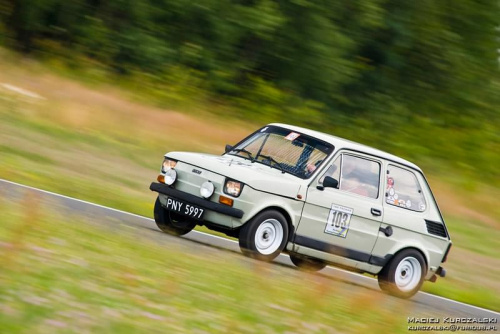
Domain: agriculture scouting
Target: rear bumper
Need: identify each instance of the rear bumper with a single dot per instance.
(206, 204)
(441, 272)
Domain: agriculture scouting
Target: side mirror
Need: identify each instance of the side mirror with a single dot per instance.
(330, 182)
(228, 148)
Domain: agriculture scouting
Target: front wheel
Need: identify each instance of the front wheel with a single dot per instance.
(265, 236)
(307, 264)
(169, 224)
(404, 274)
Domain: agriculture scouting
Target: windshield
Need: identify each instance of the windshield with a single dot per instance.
(289, 151)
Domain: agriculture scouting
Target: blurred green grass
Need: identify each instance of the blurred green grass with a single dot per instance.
(467, 292)
(475, 236)
(103, 148)
(68, 276)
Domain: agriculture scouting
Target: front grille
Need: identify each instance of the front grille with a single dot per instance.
(435, 228)
(190, 178)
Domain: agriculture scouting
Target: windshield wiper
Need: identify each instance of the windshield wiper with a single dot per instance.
(238, 150)
(273, 160)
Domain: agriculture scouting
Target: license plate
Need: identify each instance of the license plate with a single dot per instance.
(185, 209)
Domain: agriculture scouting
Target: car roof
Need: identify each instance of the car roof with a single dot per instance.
(341, 143)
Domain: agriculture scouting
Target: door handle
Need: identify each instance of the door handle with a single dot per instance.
(376, 212)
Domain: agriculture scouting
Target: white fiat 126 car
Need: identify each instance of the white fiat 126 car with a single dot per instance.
(319, 198)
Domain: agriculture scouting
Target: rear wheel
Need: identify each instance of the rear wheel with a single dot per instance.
(404, 274)
(307, 264)
(265, 236)
(169, 222)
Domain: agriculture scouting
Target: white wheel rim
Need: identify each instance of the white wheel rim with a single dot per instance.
(408, 274)
(268, 236)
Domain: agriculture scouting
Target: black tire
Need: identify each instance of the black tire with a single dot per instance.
(307, 264)
(407, 274)
(168, 224)
(264, 223)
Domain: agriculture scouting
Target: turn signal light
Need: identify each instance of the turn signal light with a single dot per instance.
(161, 178)
(225, 200)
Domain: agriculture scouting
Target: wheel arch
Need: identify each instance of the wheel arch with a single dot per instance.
(424, 255)
(283, 211)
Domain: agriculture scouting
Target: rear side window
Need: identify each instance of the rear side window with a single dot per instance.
(403, 190)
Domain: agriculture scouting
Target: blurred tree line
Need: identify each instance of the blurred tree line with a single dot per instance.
(418, 78)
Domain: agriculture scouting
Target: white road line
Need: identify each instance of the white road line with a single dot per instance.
(22, 91)
(459, 303)
(226, 240)
(75, 199)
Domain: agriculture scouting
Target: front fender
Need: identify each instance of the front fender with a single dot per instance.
(255, 201)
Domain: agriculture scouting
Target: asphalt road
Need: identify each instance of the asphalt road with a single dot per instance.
(422, 304)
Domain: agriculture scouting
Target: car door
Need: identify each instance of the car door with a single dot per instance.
(342, 223)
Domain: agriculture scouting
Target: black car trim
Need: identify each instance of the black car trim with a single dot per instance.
(445, 256)
(436, 228)
(341, 251)
(181, 195)
(436, 204)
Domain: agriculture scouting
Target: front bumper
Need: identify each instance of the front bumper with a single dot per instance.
(204, 203)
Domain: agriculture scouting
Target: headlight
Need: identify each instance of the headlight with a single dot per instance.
(170, 177)
(167, 164)
(233, 188)
(207, 189)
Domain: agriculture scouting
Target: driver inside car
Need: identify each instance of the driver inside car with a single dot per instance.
(311, 167)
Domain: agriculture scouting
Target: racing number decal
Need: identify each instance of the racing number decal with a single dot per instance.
(338, 220)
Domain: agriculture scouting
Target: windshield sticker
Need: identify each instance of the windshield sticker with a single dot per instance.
(338, 220)
(292, 136)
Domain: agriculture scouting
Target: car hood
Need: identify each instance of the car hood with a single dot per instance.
(255, 175)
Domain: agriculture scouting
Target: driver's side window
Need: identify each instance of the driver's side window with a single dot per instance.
(332, 171)
(355, 175)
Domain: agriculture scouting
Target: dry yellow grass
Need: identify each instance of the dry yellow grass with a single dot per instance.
(82, 108)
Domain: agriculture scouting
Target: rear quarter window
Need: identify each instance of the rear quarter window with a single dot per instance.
(403, 190)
